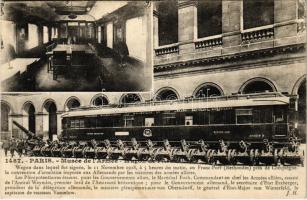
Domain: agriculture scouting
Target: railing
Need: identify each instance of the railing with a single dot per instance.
(167, 49)
(209, 42)
(259, 33)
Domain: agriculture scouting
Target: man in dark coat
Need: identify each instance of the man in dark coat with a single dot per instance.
(13, 146)
(20, 147)
(6, 146)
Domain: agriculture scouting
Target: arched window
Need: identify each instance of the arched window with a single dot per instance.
(257, 13)
(209, 18)
(166, 94)
(302, 103)
(167, 22)
(29, 112)
(130, 98)
(100, 101)
(72, 103)
(51, 108)
(208, 90)
(258, 86)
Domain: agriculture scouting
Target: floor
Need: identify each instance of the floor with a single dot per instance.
(107, 74)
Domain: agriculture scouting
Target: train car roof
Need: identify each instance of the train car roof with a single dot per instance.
(174, 106)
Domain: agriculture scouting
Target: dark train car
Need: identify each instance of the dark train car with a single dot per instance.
(249, 129)
(233, 118)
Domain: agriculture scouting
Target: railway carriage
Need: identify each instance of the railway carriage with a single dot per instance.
(240, 128)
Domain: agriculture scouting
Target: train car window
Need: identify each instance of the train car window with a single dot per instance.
(278, 115)
(188, 120)
(229, 117)
(92, 122)
(81, 123)
(100, 121)
(77, 124)
(169, 118)
(72, 123)
(128, 120)
(138, 120)
(217, 117)
(266, 115)
(65, 123)
(149, 121)
(257, 116)
(244, 116)
(117, 121)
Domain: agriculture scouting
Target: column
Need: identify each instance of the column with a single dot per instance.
(187, 25)
(285, 16)
(59, 125)
(40, 118)
(232, 18)
(155, 26)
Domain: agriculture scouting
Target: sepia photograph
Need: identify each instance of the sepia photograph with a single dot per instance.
(163, 99)
(76, 46)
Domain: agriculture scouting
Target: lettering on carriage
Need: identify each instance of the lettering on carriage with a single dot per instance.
(95, 133)
(255, 136)
(221, 132)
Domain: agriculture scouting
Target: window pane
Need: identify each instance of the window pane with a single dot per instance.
(258, 13)
(209, 18)
(168, 22)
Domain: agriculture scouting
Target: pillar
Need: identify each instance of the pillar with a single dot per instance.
(285, 16)
(40, 118)
(232, 17)
(187, 25)
(59, 124)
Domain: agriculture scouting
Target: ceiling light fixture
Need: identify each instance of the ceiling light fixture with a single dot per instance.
(71, 15)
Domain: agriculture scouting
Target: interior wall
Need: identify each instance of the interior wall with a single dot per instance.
(136, 37)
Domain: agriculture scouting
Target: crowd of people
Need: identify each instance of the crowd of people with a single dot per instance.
(14, 145)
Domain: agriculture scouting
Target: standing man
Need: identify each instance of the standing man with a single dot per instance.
(20, 147)
(13, 146)
(6, 146)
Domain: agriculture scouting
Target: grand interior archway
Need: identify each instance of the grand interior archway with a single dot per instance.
(29, 117)
(51, 122)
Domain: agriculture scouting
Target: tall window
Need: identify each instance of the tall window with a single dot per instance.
(46, 35)
(167, 22)
(257, 13)
(209, 18)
